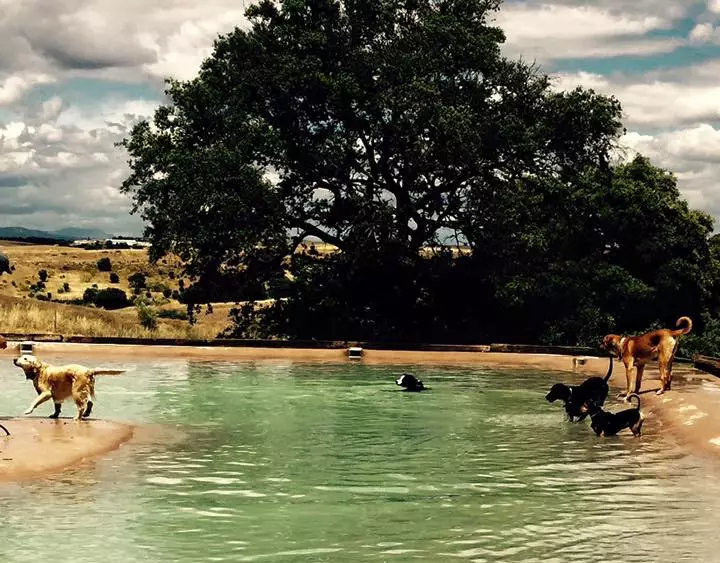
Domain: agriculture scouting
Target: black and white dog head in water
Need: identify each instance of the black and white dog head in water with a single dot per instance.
(410, 382)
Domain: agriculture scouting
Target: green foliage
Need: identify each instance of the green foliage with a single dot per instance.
(172, 314)
(110, 298)
(137, 282)
(104, 264)
(389, 128)
(146, 315)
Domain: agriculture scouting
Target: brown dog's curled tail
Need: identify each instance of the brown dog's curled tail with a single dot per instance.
(610, 368)
(106, 371)
(687, 321)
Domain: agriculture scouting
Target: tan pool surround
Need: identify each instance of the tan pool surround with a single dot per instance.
(38, 446)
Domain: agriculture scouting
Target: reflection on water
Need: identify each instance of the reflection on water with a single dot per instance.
(288, 462)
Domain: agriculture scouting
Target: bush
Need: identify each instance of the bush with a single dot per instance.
(43, 275)
(104, 264)
(173, 314)
(137, 282)
(114, 278)
(167, 293)
(89, 295)
(146, 316)
(110, 298)
(66, 287)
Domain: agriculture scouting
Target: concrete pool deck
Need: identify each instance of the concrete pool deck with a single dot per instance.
(690, 412)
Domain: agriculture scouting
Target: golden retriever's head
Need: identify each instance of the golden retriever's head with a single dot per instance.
(29, 364)
(611, 343)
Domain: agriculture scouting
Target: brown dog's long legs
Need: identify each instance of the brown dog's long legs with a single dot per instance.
(628, 377)
(639, 370)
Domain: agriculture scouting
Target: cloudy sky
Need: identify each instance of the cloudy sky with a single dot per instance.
(75, 74)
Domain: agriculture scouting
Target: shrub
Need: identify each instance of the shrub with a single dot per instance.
(89, 295)
(43, 275)
(114, 278)
(137, 282)
(167, 293)
(104, 264)
(66, 287)
(146, 316)
(173, 314)
(110, 298)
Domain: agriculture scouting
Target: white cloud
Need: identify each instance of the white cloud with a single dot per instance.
(59, 166)
(557, 31)
(705, 33)
(656, 100)
(14, 87)
(693, 154)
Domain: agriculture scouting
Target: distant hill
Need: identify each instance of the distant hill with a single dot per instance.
(68, 233)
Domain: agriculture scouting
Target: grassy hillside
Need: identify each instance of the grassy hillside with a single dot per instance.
(70, 271)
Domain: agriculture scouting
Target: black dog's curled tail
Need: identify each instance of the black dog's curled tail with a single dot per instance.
(610, 368)
(636, 396)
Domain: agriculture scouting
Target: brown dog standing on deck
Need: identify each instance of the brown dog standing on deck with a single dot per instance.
(636, 351)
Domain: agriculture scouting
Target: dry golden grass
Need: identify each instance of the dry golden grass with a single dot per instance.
(27, 316)
(20, 313)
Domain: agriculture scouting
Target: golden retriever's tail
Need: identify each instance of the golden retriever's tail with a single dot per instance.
(687, 321)
(106, 371)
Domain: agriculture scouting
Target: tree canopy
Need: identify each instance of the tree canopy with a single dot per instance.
(392, 129)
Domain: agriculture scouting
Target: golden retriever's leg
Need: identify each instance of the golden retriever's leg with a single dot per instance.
(639, 370)
(41, 398)
(58, 406)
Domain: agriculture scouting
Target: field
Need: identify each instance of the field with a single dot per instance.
(70, 271)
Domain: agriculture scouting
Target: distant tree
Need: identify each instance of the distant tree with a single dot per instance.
(104, 264)
(111, 298)
(4, 264)
(137, 282)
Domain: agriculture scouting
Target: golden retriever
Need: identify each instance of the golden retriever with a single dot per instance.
(638, 350)
(62, 382)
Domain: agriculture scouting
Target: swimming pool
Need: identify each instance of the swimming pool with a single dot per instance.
(286, 461)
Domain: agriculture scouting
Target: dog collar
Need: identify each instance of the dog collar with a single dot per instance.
(621, 345)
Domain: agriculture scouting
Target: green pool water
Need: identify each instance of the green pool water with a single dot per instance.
(290, 462)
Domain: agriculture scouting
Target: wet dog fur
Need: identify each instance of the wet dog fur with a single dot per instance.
(575, 396)
(58, 383)
(636, 351)
(605, 423)
(410, 382)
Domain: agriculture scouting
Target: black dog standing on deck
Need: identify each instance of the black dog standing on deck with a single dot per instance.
(593, 389)
(605, 423)
(410, 382)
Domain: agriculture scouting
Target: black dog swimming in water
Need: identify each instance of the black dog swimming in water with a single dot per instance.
(605, 423)
(593, 389)
(410, 382)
